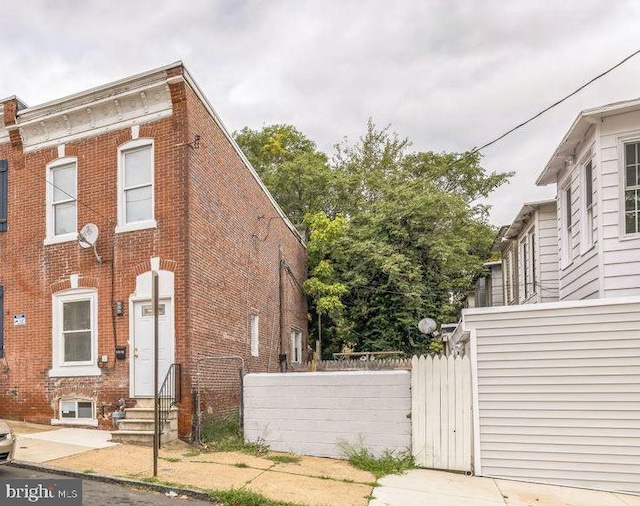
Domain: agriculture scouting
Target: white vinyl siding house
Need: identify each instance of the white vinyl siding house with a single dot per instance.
(606, 245)
(529, 249)
(557, 392)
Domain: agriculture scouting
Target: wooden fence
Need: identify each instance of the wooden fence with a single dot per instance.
(441, 412)
(355, 365)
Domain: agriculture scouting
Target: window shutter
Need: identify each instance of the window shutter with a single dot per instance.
(4, 194)
(1, 321)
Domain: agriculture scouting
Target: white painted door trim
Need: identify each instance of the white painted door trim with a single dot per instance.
(133, 300)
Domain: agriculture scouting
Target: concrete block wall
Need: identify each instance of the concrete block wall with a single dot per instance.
(311, 413)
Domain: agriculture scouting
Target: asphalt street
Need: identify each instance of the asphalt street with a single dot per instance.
(98, 493)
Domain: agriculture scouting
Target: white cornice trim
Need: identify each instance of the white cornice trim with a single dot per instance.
(4, 133)
(157, 72)
(97, 114)
(194, 86)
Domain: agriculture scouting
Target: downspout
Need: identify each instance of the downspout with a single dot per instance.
(282, 357)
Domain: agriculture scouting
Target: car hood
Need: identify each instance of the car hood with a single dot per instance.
(4, 428)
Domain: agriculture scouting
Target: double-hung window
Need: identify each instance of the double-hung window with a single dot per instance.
(296, 346)
(632, 188)
(136, 185)
(567, 226)
(75, 333)
(524, 262)
(62, 205)
(588, 205)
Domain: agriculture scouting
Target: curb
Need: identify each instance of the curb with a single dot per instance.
(127, 482)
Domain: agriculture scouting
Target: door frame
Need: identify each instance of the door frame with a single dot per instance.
(133, 300)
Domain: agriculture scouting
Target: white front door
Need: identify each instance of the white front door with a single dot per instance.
(143, 344)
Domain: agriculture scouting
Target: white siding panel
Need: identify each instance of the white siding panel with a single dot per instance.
(310, 413)
(580, 280)
(560, 403)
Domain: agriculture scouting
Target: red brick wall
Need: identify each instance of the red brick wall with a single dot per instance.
(234, 234)
(31, 271)
(216, 228)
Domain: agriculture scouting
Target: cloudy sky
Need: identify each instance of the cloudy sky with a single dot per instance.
(448, 74)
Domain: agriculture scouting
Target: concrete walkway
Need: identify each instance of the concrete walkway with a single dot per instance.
(422, 487)
(40, 447)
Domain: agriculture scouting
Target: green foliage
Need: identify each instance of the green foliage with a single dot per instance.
(394, 235)
(390, 462)
(296, 173)
(284, 459)
(323, 286)
(225, 435)
(242, 497)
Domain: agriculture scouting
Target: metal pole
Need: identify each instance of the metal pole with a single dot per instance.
(156, 411)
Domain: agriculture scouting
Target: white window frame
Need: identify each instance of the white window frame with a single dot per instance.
(51, 237)
(66, 369)
(511, 281)
(93, 421)
(123, 226)
(533, 258)
(523, 289)
(587, 242)
(296, 344)
(623, 186)
(566, 223)
(254, 323)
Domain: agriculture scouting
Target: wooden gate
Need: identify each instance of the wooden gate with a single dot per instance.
(441, 412)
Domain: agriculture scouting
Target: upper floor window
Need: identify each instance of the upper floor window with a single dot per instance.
(75, 333)
(62, 205)
(527, 265)
(632, 188)
(588, 205)
(135, 186)
(567, 225)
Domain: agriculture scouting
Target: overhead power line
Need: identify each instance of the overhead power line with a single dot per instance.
(555, 103)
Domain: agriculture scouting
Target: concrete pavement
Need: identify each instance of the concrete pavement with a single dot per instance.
(300, 480)
(423, 487)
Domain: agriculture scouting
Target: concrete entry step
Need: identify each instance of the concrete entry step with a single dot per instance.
(137, 425)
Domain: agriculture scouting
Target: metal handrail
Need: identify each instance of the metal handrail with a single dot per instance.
(169, 394)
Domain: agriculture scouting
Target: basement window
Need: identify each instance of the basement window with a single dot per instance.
(76, 412)
(76, 409)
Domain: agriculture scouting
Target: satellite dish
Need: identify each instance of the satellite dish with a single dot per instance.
(88, 235)
(427, 325)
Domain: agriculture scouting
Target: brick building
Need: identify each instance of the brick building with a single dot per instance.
(147, 160)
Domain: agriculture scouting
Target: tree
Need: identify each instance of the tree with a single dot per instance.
(296, 173)
(418, 233)
(394, 236)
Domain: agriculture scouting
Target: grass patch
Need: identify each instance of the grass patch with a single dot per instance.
(89, 471)
(241, 465)
(284, 459)
(225, 435)
(390, 462)
(237, 497)
(193, 453)
(170, 459)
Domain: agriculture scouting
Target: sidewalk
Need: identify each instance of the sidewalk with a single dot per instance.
(423, 487)
(302, 480)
